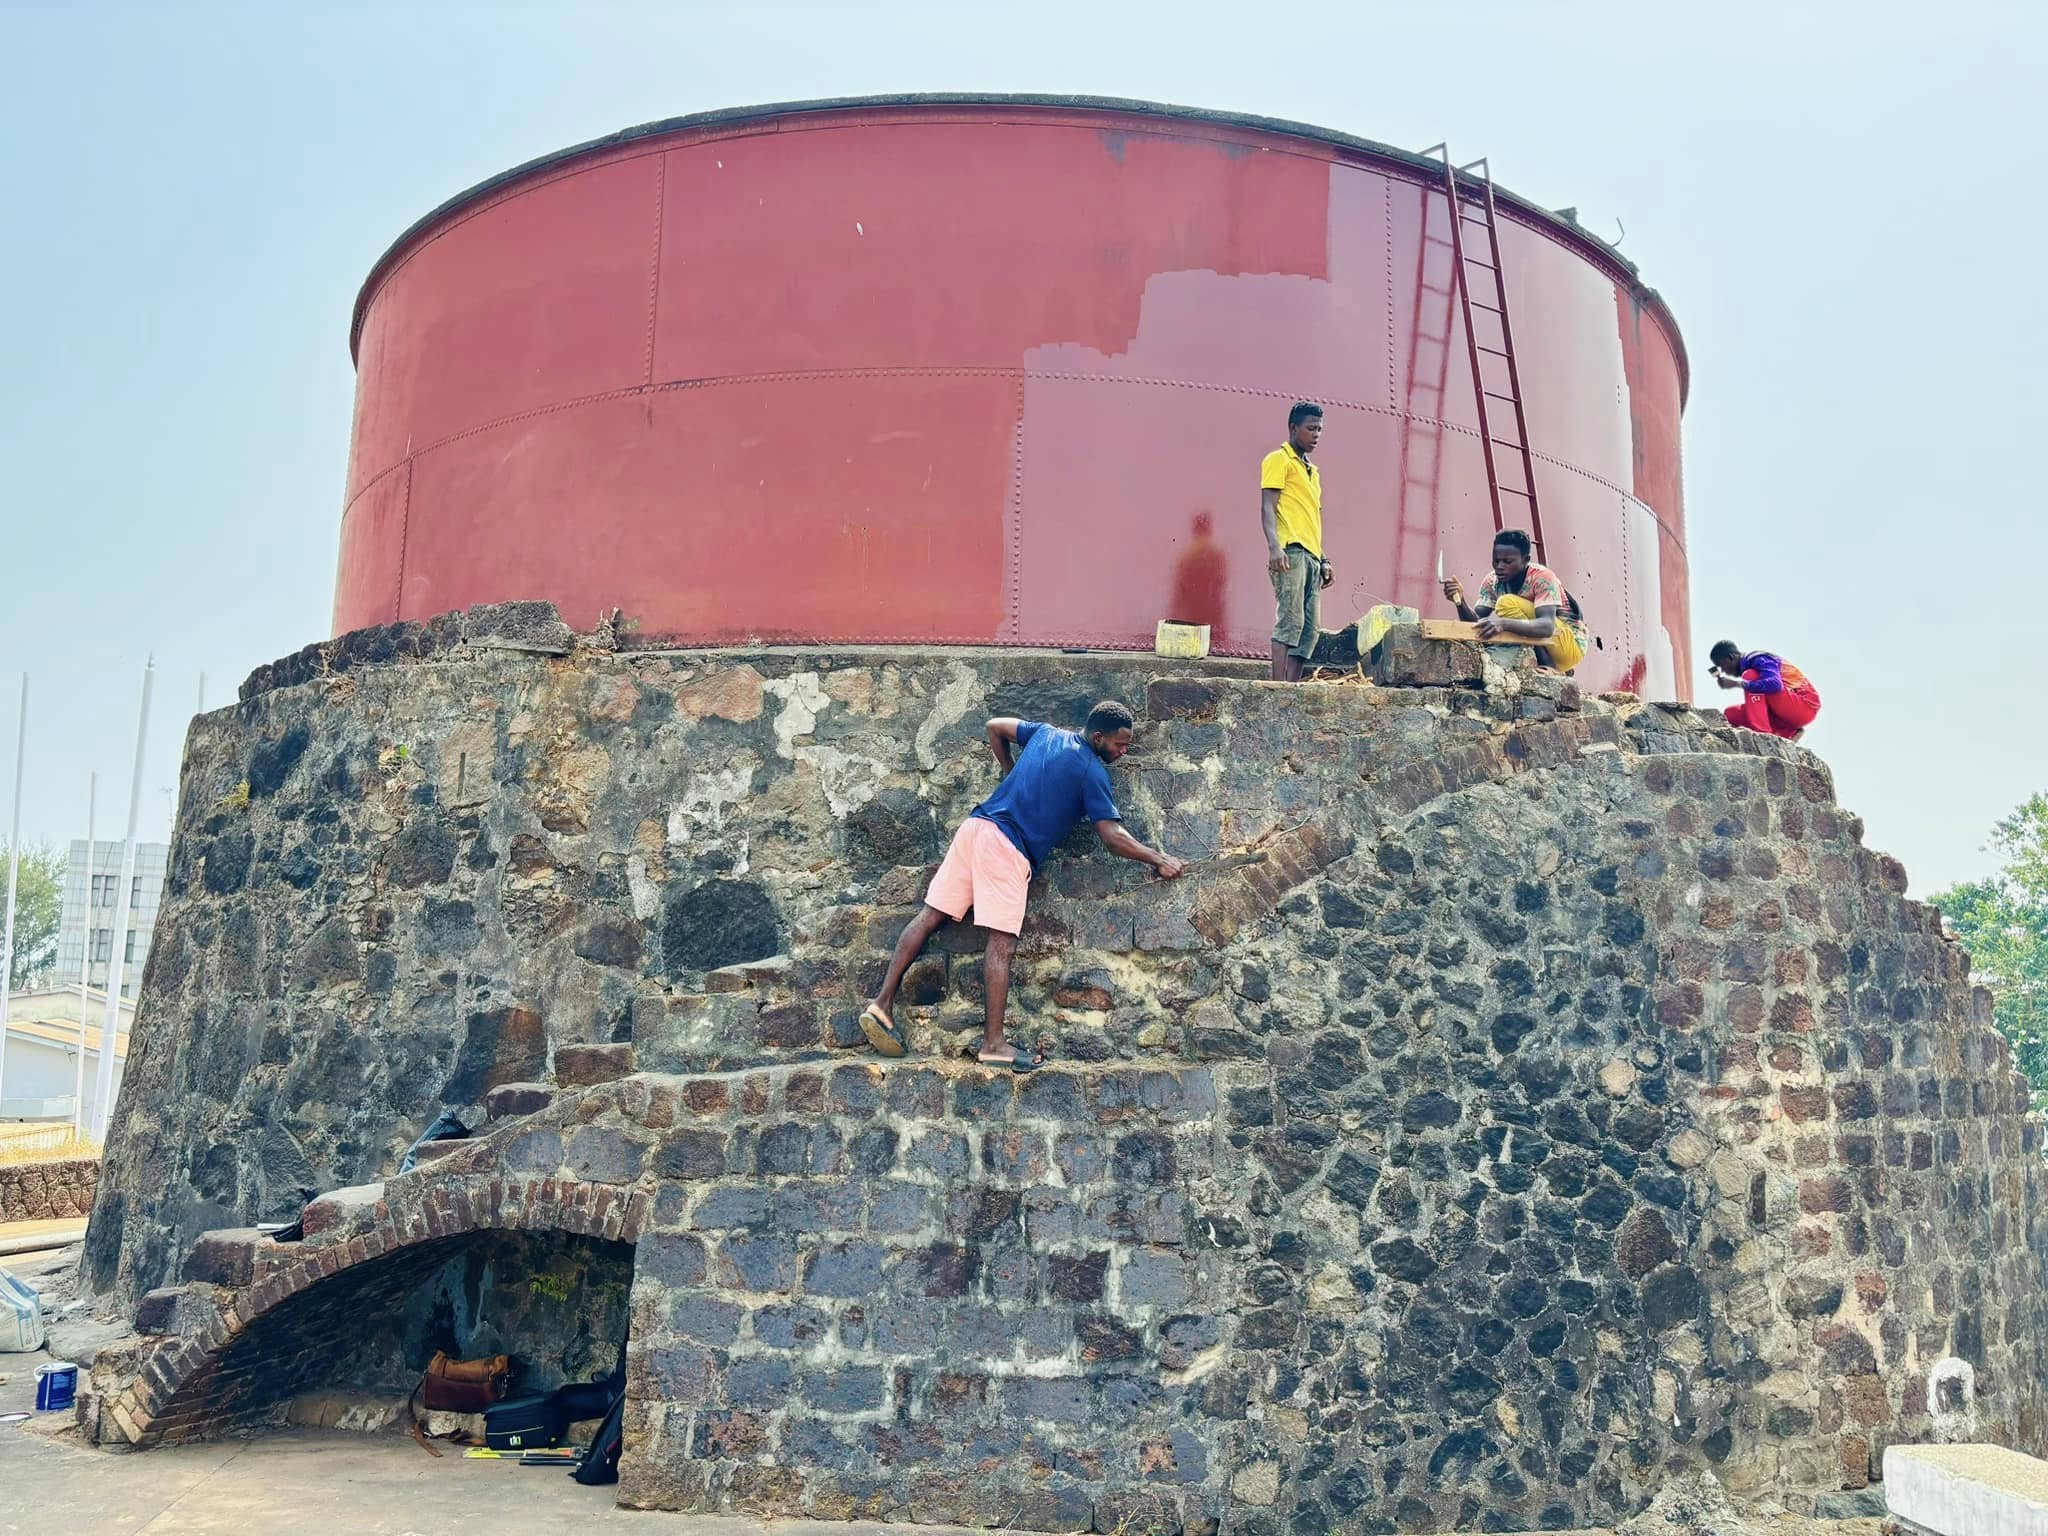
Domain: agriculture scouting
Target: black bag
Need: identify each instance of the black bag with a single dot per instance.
(446, 1127)
(524, 1423)
(600, 1463)
(580, 1400)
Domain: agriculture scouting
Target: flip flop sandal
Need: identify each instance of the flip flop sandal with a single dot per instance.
(882, 1032)
(1021, 1063)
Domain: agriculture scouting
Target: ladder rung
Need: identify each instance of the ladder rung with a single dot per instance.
(1474, 261)
(1494, 394)
(1496, 351)
(1492, 309)
(1505, 443)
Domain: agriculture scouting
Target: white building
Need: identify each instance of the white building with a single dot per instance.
(92, 916)
(41, 1070)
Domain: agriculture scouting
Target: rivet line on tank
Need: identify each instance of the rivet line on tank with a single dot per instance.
(654, 264)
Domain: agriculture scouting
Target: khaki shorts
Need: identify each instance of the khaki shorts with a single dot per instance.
(1298, 595)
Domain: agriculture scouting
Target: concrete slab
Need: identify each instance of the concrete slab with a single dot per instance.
(1967, 1490)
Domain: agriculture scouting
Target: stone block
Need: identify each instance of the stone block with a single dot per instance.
(732, 1205)
(817, 1205)
(1403, 659)
(691, 1154)
(1336, 648)
(508, 1101)
(790, 1027)
(897, 1208)
(675, 1259)
(190, 1310)
(1078, 1277)
(705, 1317)
(855, 1389)
(796, 1325)
(759, 1382)
(612, 939)
(605, 1156)
(520, 626)
(342, 1208)
(1181, 698)
(1058, 1400)
(585, 1066)
(226, 1257)
(850, 1270)
(755, 1263)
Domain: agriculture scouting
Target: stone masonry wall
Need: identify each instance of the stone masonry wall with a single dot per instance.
(48, 1191)
(1524, 1097)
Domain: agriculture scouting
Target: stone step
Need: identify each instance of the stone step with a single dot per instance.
(337, 1207)
(181, 1309)
(508, 1101)
(713, 1031)
(772, 974)
(1072, 1019)
(584, 1066)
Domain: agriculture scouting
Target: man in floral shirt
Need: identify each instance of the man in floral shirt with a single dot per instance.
(1526, 599)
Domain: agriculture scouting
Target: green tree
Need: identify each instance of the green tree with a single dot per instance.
(38, 909)
(2003, 922)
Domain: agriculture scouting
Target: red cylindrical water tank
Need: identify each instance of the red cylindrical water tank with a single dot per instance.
(986, 371)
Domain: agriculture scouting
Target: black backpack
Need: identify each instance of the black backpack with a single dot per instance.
(600, 1464)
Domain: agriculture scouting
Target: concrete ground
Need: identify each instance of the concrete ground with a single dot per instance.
(317, 1483)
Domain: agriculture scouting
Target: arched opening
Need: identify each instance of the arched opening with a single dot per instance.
(347, 1351)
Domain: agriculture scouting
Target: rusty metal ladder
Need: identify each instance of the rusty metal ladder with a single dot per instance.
(1418, 531)
(1472, 208)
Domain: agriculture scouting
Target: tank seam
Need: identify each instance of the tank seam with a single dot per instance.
(654, 265)
(404, 542)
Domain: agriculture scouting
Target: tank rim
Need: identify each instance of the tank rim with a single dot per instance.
(1548, 221)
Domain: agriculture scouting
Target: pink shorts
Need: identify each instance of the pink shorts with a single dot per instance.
(983, 870)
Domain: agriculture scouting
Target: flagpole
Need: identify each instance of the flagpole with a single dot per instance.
(110, 1031)
(13, 874)
(92, 805)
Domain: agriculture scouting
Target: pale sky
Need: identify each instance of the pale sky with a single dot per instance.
(1839, 201)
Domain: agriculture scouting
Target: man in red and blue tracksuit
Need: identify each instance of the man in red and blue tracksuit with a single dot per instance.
(1777, 699)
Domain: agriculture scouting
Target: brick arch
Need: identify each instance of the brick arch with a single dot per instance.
(256, 1318)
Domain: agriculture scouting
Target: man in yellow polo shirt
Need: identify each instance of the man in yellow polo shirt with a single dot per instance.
(1291, 510)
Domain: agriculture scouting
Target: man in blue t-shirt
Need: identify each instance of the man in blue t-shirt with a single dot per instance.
(1052, 778)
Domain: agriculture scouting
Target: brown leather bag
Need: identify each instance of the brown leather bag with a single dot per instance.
(464, 1386)
(458, 1386)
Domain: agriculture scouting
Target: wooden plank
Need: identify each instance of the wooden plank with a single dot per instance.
(1458, 629)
